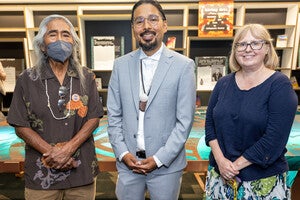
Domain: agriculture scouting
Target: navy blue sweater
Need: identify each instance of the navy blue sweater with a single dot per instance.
(255, 123)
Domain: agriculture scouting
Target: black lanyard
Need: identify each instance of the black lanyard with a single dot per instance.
(142, 78)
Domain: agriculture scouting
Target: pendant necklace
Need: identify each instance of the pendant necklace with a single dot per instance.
(49, 105)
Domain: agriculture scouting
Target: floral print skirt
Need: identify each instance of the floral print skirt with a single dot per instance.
(270, 188)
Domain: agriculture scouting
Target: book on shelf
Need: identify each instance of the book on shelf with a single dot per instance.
(209, 70)
(198, 101)
(17, 63)
(171, 42)
(104, 51)
(281, 41)
(10, 81)
(215, 18)
(12, 67)
(98, 83)
(294, 82)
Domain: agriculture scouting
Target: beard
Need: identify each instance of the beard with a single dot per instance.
(148, 45)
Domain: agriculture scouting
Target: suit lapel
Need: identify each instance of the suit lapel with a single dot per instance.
(133, 65)
(160, 73)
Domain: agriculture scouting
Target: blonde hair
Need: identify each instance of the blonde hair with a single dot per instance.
(260, 32)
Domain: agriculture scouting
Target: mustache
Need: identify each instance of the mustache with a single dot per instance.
(146, 32)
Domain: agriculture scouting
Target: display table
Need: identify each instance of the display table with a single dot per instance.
(12, 149)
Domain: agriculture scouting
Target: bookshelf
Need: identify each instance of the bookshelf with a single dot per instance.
(244, 13)
(21, 21)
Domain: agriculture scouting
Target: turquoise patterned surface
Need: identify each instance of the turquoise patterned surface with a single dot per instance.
(12, 147)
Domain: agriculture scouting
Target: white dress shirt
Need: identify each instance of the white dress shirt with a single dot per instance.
(149, 66)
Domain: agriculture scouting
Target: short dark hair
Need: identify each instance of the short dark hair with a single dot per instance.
(152, 2)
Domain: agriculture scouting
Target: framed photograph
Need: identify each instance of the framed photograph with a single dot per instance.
(209, 70)
(104, 51)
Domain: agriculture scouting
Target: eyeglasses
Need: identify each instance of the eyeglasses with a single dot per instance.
(62, 91)
(255, 45)
(152, 19)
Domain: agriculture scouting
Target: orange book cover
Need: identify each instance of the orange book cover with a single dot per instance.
(171, 42)
(215, 18)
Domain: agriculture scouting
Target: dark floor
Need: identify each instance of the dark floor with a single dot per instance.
(11, 187)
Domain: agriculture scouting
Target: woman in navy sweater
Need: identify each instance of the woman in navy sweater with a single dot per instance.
(248, 122)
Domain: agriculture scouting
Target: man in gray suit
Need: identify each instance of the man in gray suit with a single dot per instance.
(151, 105)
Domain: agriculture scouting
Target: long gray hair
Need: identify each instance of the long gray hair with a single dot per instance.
(42, 59)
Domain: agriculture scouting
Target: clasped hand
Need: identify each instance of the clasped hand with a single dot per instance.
(144, 166)
(227, 169)
(59, 158)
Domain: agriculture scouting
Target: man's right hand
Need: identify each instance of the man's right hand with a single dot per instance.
(130, 160)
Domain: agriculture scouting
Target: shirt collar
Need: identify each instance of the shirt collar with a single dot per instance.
(47, 73)
(155, 56)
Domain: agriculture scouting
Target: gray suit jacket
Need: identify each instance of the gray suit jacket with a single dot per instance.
(169, 113)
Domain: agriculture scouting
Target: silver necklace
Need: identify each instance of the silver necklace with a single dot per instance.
(49, 105)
